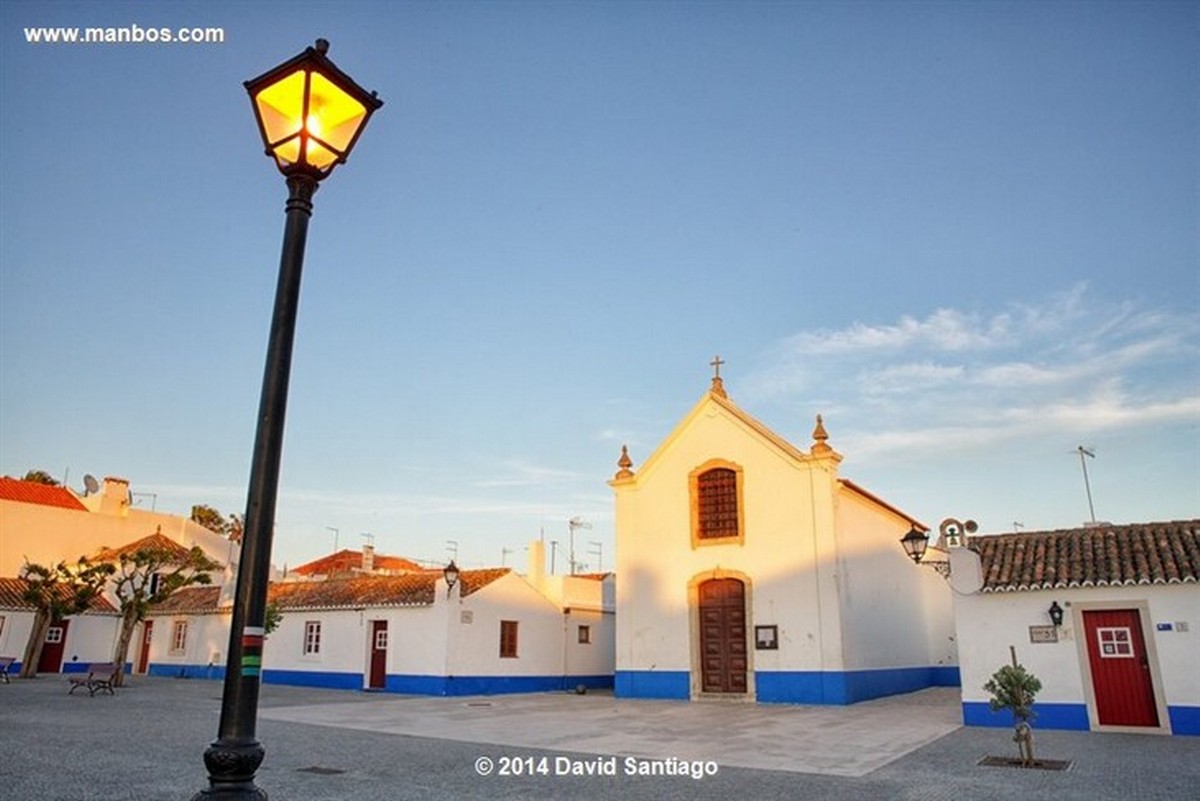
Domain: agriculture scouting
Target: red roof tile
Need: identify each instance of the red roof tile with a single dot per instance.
(11, 590)
(411, 589)
(12, 489)
(156, 542)
(346, 561)
(1145, 553)
(189, 601)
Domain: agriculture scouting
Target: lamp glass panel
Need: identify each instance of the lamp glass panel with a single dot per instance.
(318, 156)
(281, 107)
(333, 116)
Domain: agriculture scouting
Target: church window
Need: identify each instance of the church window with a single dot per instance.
(716, 495)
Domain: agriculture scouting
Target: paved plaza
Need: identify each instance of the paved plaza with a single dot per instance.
(146, 742)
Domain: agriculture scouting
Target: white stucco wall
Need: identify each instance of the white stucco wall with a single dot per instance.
(894, 613)
(90, 637)
(48, 534)
(989, 622)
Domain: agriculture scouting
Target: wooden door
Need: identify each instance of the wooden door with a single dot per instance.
(379, 643)
(723, 654)
(1120, 669)
(52, 650)
(144, 653)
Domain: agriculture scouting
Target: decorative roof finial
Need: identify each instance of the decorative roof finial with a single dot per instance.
(624, 463)
(718, 386)
(820, 435)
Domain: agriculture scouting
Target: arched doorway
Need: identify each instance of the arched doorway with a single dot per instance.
(723, 651)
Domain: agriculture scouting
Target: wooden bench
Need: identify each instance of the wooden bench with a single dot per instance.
(98, 677)
(5, 663)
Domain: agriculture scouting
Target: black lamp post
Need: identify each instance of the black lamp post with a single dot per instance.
(310, 114)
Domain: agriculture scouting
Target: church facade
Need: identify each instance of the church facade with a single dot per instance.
(750, 570)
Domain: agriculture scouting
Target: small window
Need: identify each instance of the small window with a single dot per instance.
(54, 635)
(585, 635)
(508, 639)
(312, 637)
(179, 637)
(381, 640)
(1115, 643)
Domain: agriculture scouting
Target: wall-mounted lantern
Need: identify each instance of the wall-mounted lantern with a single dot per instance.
(450, 573)
(1056, 614)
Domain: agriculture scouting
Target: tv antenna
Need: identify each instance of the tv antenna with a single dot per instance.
(572, 524)
(452, 547)
(1091, 453)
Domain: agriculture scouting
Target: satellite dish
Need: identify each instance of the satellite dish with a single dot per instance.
(89, 482)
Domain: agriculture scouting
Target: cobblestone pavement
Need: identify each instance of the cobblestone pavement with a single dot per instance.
(147, 741)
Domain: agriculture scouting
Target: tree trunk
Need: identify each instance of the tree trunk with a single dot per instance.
(33, 648)
(129, 622)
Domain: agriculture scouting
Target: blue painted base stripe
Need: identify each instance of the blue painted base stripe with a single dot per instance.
(672, 684)
(848, 687)
(1184, 719)
(314, 678)
(491, 685)
(1073, 717)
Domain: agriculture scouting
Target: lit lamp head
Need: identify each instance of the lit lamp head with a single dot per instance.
(310, 113)
(915, 542)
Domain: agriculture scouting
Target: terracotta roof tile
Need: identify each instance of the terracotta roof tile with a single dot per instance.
(13, 489)
(410, 589)
(12, 588)
(346, 560)
(189, 600)
(1144, 553)
(155, 542)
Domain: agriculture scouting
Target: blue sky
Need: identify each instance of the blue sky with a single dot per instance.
(965, 233)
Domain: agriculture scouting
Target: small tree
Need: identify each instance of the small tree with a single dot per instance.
(146, 573)
(40, 477)
(1014, 688)
(273, 616)
(55, 593)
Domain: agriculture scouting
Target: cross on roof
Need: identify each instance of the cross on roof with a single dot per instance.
(716, 365)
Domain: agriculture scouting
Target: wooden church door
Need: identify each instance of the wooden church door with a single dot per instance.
(723, 654)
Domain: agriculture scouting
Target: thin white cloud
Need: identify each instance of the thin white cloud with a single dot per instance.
(973, 379)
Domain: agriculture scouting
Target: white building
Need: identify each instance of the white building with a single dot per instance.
(749, 568)
(494, 631)
(1125, 655)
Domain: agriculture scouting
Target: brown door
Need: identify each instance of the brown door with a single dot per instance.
(1120, 668)
(723, 661)
(379, 639)
(144, 654)
(52, 651)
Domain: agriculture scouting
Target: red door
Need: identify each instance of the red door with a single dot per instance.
(144, 654)
(723, 661)
(379, 638)
(52, 651)
(1120, 669)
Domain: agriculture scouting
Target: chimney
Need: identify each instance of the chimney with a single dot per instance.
(537, 563)
(368, 559)
(114, 498)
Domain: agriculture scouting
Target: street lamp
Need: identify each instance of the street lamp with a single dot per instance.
(310, 114)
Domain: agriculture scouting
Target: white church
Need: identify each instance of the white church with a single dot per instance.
(750, 570)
